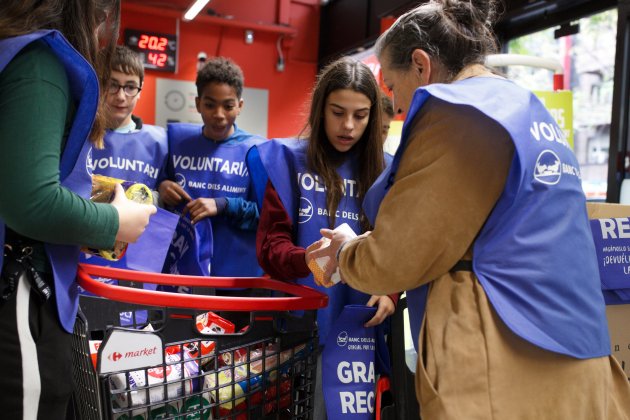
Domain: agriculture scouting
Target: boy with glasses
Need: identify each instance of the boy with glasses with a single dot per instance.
(133, 151)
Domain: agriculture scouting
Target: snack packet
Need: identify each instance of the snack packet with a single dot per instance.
(103, 188)
(318, 265)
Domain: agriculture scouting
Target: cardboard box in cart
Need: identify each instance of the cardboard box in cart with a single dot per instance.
(618, 315)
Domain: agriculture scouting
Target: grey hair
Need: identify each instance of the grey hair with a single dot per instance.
(456, 33)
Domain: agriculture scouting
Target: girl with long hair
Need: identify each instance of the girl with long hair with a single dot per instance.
(318, 181)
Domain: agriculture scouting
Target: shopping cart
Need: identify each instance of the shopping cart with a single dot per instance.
(188, 356)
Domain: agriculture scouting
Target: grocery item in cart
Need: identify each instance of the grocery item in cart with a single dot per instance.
(94, 345)
(156, 412)
(209, 323)
(206, 323)
(103, 188)
(152, 380)
(229, 388)
(241, 356)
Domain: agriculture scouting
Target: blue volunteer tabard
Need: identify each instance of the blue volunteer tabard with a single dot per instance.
(304, 198)
(537, 236)
(74, 166)
(139, 156)
(205, 168)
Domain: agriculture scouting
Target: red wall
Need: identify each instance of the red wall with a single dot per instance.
(288, 90)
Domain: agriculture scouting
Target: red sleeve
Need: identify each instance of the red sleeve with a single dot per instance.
(394, 297)
(277, 254)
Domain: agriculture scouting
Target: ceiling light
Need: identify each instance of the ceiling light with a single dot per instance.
(195, 9)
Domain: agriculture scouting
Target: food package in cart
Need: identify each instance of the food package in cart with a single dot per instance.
(191, 408)
(229, 388)
(237, 356)
(196, 407)
(211, 323)
(94, 346)
(285, 396)
(255, 357)
(208, 323)
(155, 412)
(103, 188)
(255, 397)
(271, 404)
(178, 384)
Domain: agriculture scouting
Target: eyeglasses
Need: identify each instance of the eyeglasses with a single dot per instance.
(130, 90)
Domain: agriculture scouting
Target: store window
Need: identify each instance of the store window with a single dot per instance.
(588, 58)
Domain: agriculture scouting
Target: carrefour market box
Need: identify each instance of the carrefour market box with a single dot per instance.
(614, 261)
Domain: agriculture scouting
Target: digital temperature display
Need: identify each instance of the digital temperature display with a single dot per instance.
(157, 51)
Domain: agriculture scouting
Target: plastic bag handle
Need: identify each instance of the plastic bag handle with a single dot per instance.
(304, 298)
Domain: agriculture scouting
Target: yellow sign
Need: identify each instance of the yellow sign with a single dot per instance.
(560, 106)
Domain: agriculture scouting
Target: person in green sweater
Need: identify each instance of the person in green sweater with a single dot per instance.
(49, 119)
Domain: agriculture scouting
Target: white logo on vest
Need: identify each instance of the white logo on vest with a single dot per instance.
(305, 211)
(89, 166)
(342, 339)
(181, 180)
(548, 168)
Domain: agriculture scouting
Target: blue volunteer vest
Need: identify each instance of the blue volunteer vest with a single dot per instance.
(205, 168)
(74, 167)
(534, 256)
(139, 156)
(304, 200)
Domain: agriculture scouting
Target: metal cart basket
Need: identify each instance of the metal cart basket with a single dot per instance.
(148, 354)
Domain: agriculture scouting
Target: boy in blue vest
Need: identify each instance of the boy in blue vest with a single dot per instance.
(208, 177)
(133, 151)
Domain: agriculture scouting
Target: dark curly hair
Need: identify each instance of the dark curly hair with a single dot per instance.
(220, 70)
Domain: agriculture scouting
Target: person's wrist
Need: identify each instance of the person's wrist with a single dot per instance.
(340, 249)
(221, 203)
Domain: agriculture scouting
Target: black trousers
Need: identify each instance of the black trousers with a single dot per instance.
(35, 357)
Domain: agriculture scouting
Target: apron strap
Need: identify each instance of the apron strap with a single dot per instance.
(462, 265)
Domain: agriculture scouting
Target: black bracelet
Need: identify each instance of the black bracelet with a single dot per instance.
(339, 250)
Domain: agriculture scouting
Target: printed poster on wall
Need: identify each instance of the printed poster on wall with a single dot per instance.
(560, 106)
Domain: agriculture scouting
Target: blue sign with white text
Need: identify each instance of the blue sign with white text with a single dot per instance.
(612, 244)
(349, 358)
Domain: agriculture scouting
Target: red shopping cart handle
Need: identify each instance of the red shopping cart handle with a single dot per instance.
(304, 298)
